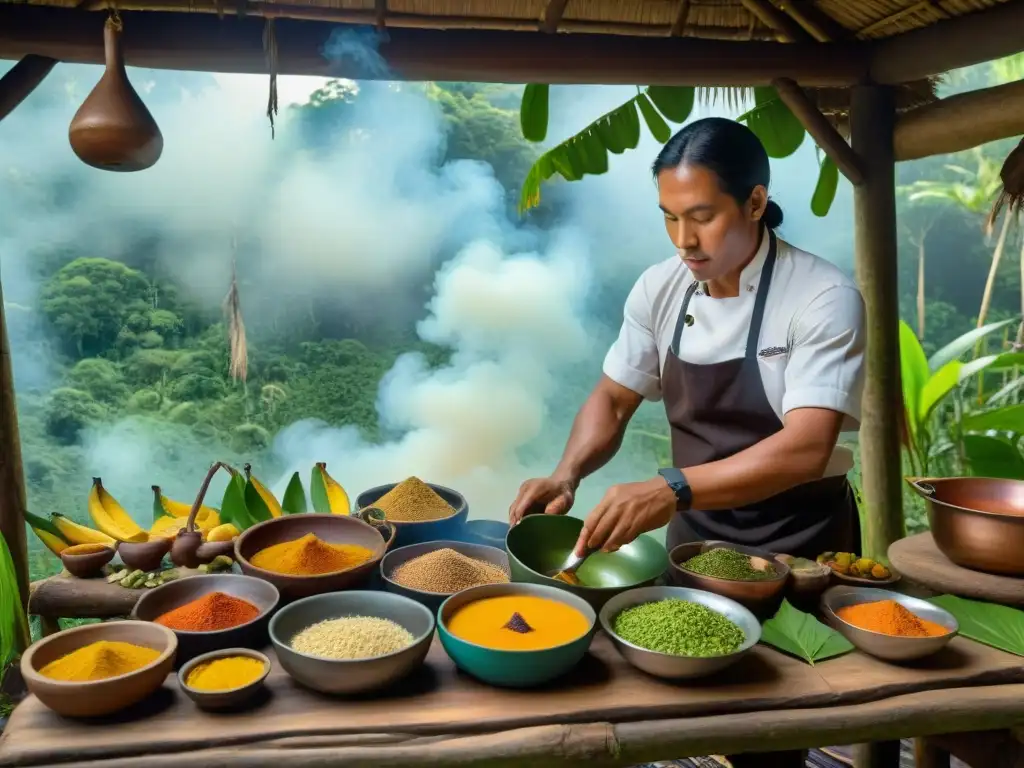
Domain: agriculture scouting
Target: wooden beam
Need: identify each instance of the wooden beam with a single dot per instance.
(815, 21)
(821, 130)
(872, 116)
(961, 122)
(380, 13)
(12, 474)
(21, 79)
(788, 30)
(202, 42)
(679, 25)
(957, 42)
(553, 16)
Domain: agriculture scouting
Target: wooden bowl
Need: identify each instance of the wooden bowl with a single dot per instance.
(174, 594)
(88, 560)
(144, 555)
(99, 697)
(226, 699)
(335, 529)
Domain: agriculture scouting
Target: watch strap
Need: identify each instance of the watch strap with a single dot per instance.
(680, 486)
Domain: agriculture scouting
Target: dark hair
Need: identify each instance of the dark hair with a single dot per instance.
(728, 148)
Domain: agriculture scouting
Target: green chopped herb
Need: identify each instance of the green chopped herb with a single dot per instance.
(678, 627)
(724, 563)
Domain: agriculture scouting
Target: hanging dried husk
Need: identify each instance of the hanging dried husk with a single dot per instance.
(239, 364)
(1011, 195)
(113, 130)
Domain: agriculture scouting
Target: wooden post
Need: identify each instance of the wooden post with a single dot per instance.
(928, 754)
(872, 117)
(12, 477)
(881, 754)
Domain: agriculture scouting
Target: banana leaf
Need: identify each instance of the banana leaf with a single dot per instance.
(999, 626)
(800, 634)
(294, 500)
(533, 112)
(825, 189)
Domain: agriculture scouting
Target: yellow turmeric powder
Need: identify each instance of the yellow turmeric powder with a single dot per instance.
(310, 556)
(100, 660)
(518, 623)
(225, 674)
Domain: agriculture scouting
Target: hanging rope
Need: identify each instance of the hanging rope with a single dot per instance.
(270, 51)
(239, 361)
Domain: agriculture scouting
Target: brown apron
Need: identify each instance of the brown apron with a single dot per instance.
(720, 409)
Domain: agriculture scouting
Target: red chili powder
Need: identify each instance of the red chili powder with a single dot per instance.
(209, 613)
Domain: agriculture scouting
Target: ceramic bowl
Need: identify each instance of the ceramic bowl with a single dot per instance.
(336, 529)
(761, 597)
(491, 533)
(174, 594)
(447, 528)
(351, 676)
(86, 560)
(99, 697)
(667, 665)
(541, 543)
(226, 699)
(879, 644)
(514, 669)
(144, 555)
(433, 600)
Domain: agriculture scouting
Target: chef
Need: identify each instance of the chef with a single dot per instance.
(756, 349)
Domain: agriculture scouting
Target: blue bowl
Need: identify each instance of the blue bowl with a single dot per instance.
(445, 529)
(489, 533)
(514, 669)
(433, 600)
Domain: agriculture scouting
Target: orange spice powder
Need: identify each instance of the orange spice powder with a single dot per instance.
(890, 618)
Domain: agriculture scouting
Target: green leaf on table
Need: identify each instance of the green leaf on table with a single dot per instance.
(991, 456)
(533, 112)
(674, 102)
(825, 190)
(294, 500)
(999, 626)
(802, 635)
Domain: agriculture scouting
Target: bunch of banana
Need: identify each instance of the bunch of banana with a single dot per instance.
(327, 493)
(47, 533)
(170, 516)
(110, 517)
(59, 532)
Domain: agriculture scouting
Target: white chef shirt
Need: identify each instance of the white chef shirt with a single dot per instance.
(811, 348)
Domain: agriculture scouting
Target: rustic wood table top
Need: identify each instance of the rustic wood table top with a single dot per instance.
(604, 713)
(917, 558)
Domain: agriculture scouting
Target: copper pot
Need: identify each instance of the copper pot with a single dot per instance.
(977, 522)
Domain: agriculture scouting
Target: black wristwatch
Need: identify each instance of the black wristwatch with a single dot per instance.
(680, 487)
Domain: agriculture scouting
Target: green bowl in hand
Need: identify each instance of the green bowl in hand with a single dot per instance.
(541, 543)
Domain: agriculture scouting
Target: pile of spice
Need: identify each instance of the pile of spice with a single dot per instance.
(890, 618)
(310, 556)
(225, 674)
(678, 627)
(446, 571)
(724, 563)
(210, 613)
(98, 661)
(518, 623)
(413, 501)
(353, 637)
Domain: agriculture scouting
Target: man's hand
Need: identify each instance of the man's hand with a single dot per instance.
(553, 494)
(625, 512)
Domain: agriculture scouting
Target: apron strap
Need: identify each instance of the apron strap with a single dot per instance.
(681, 319)
(756, 319)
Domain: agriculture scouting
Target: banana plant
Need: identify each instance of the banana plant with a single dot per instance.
(986, 440)
(586, 153)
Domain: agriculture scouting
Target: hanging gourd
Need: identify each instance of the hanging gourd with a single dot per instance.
(113, 130)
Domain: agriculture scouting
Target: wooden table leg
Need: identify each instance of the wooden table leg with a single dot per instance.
(878, 754)
(790, 759)
(928, 754)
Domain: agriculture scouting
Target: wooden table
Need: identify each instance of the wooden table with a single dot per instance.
(917, 558)
(605, 713)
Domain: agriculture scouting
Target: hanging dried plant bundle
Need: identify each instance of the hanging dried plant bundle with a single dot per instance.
(270, 51)
(239, 364)
(1011, 196)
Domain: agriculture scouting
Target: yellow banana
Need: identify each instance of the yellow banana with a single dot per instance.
(53, 543)
(76, 533)
(110, 516)
(268, 498)
(167, 526)
(336, 496)
(327, 493)
(225, 532)
(178, 509)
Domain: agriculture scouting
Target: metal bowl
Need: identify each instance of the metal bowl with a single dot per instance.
(761, 597)
(336, 529)
(667, 665)
(976, 522)
(406, 533)
(229, 698)
(541, 543)
(433, 600)
(514, 669)
(881, 645)
(351, 676)
(174, 594)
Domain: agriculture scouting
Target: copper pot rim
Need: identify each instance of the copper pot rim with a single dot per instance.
(916, 482)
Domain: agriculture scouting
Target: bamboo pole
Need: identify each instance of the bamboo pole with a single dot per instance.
(871, 123)
(12, 475)
(21, 79)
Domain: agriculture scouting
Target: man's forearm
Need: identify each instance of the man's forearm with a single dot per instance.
(595, 437)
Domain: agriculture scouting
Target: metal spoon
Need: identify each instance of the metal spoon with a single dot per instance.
(567, 571)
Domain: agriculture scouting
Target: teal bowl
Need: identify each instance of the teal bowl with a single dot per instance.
(513, 669)
(541, 543)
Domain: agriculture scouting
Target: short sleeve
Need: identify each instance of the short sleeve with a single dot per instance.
(825, 368)
(633, 359)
